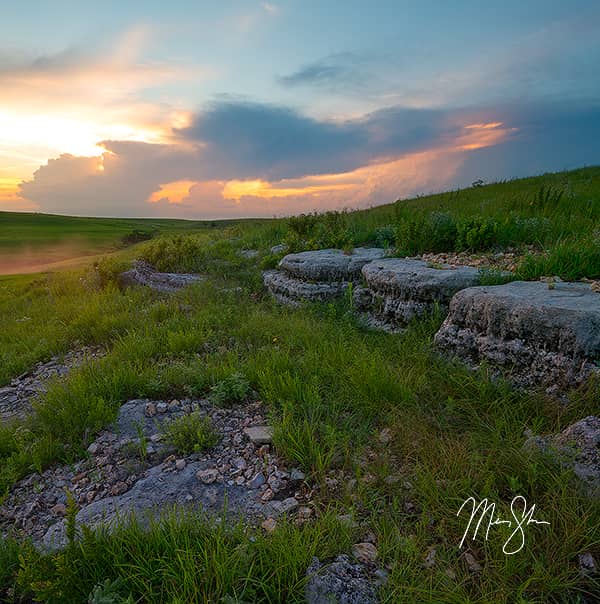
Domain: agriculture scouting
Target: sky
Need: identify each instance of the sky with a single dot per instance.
(243, 108)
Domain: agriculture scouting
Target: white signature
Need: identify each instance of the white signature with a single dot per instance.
(522, 517)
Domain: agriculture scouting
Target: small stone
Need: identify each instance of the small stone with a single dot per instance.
(155, 438)
(430, 558)
(286, 506)
(239, 481)
(304, 513)
(119, 488)
(180, 465)
(174, 405)
(257, 481)
(297, 476)
(59, 509)
(162, 407)
(259, 435)
(471, 563)
(385, 436)
(269, 525)
(93, 448)
(150, 410)
(267, 495)
(78, 477)
(207, 476)
(364, 552)
(90, 496)
(587, 564)
(240, 463)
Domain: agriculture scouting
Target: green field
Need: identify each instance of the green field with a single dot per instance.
(35, 242)
(331, 386)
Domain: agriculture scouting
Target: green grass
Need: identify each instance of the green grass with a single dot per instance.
(331, 387)
(190, 434)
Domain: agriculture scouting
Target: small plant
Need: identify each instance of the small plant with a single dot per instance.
(142, 442)
(190, 433)
(71, 517)
(477, 234)
(108, 593)
(231, 390)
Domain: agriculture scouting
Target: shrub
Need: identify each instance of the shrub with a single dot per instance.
(136, 236)
(476, 234)
(231, 390)
(190, 433)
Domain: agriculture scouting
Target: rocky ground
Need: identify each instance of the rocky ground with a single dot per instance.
(507, 260)
(16, 398)
(130, 469)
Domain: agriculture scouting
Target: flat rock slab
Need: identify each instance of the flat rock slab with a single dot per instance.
(144, 274)
(576, 447)
(541, 335)
(330, 264)
(157, 491)
(259, 435)
(401, 289)
(292, 292)
(17, 397)
(131, 469)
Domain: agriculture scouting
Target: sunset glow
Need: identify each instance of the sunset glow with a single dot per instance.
(203, 111)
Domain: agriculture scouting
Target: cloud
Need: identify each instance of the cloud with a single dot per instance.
(338, 71)
(258, 160)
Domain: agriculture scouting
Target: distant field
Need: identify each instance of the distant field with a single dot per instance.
(39, 242)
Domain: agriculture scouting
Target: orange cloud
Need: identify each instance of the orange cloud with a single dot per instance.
(172, 192)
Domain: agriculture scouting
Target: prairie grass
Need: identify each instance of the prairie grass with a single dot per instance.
(331, 386)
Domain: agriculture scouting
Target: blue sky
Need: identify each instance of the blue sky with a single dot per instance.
(246, 108)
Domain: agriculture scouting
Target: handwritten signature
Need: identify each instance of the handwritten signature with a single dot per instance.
(522, 517)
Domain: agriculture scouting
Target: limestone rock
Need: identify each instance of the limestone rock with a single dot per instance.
(341, 582)
(317, 275)
(259, 435)
(329, 264)
(401, 289)
(291, 291)
(541, 336)
(576, 447)
(144, 274)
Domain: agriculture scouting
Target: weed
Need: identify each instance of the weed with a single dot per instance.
(191, 433)
(235, 388)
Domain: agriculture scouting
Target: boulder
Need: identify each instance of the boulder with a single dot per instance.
(144, 274)
(329, 265)
(541, 335)
(577, 447)
(401, 289)
(291, 291)
(317, 276)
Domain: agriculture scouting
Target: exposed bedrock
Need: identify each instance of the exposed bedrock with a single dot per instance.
(317, 275)
(144, 274)
(544, 336)
(401, 289)
(577, 447)
(329, 265)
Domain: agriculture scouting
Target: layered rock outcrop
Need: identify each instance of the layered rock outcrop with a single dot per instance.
(401, 289)
(540, 335)
(144, 274)
(317, 276)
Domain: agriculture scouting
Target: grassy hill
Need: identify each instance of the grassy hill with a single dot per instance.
(31, 242)
(331, 387)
